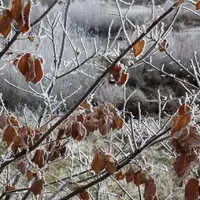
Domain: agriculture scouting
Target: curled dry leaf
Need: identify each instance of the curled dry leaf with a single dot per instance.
(5, 22)
(30, 66)
(120, 175)
(110, 164)
(17, 7)
(37, 186)
(184, 162)
(98, 162)
(197, 5)
(192, 189)
(138, 48)
(180, 123)
(26, 25)
(84, 195)
(9, 135)
(39, 157)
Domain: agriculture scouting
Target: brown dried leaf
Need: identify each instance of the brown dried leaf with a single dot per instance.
(14, 121)
(192, 189)
(9, 135)
(197, 5)
(138, 48)
(30, 174)
(9, 188)
(22, 167)
(17, 7)
(5, 22)
(16, 143)
(39, 158)
(110, 164)
(78, 131)
(130, 175)
(123, 78)
(37, 186)
(183, 109)
(183, 163)
(26, 25)
(84, 195)
(178, 3)
(120, 175)
(98, 162)
(140, 177)
(181, 123)
(86, 105)
(118, 122)
(150, 189)
(164, 45)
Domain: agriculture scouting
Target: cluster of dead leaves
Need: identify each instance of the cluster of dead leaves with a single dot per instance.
(17, 137)
(89, 119)
(185, 141)
(138, 178)
(103, 161)
(118, 75)
(20, 13)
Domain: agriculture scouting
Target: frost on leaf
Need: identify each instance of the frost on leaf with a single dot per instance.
(16, 143)
(27, 9)
(98, 162)
(184, 162)
(30, 66)
(78, 131)
(192, 189)
(164, 44)
(110, 164)
(138, 48)
(37, 186)
(5, 22)
(21, 14)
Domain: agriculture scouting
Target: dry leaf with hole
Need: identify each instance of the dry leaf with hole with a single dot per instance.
(98, 162)
(5, 22)
(197, 5)
(9, 134)
(30, 66)
(110, 164)
(37, 186)
(84, 195)
(192, 189)
(138, 48)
